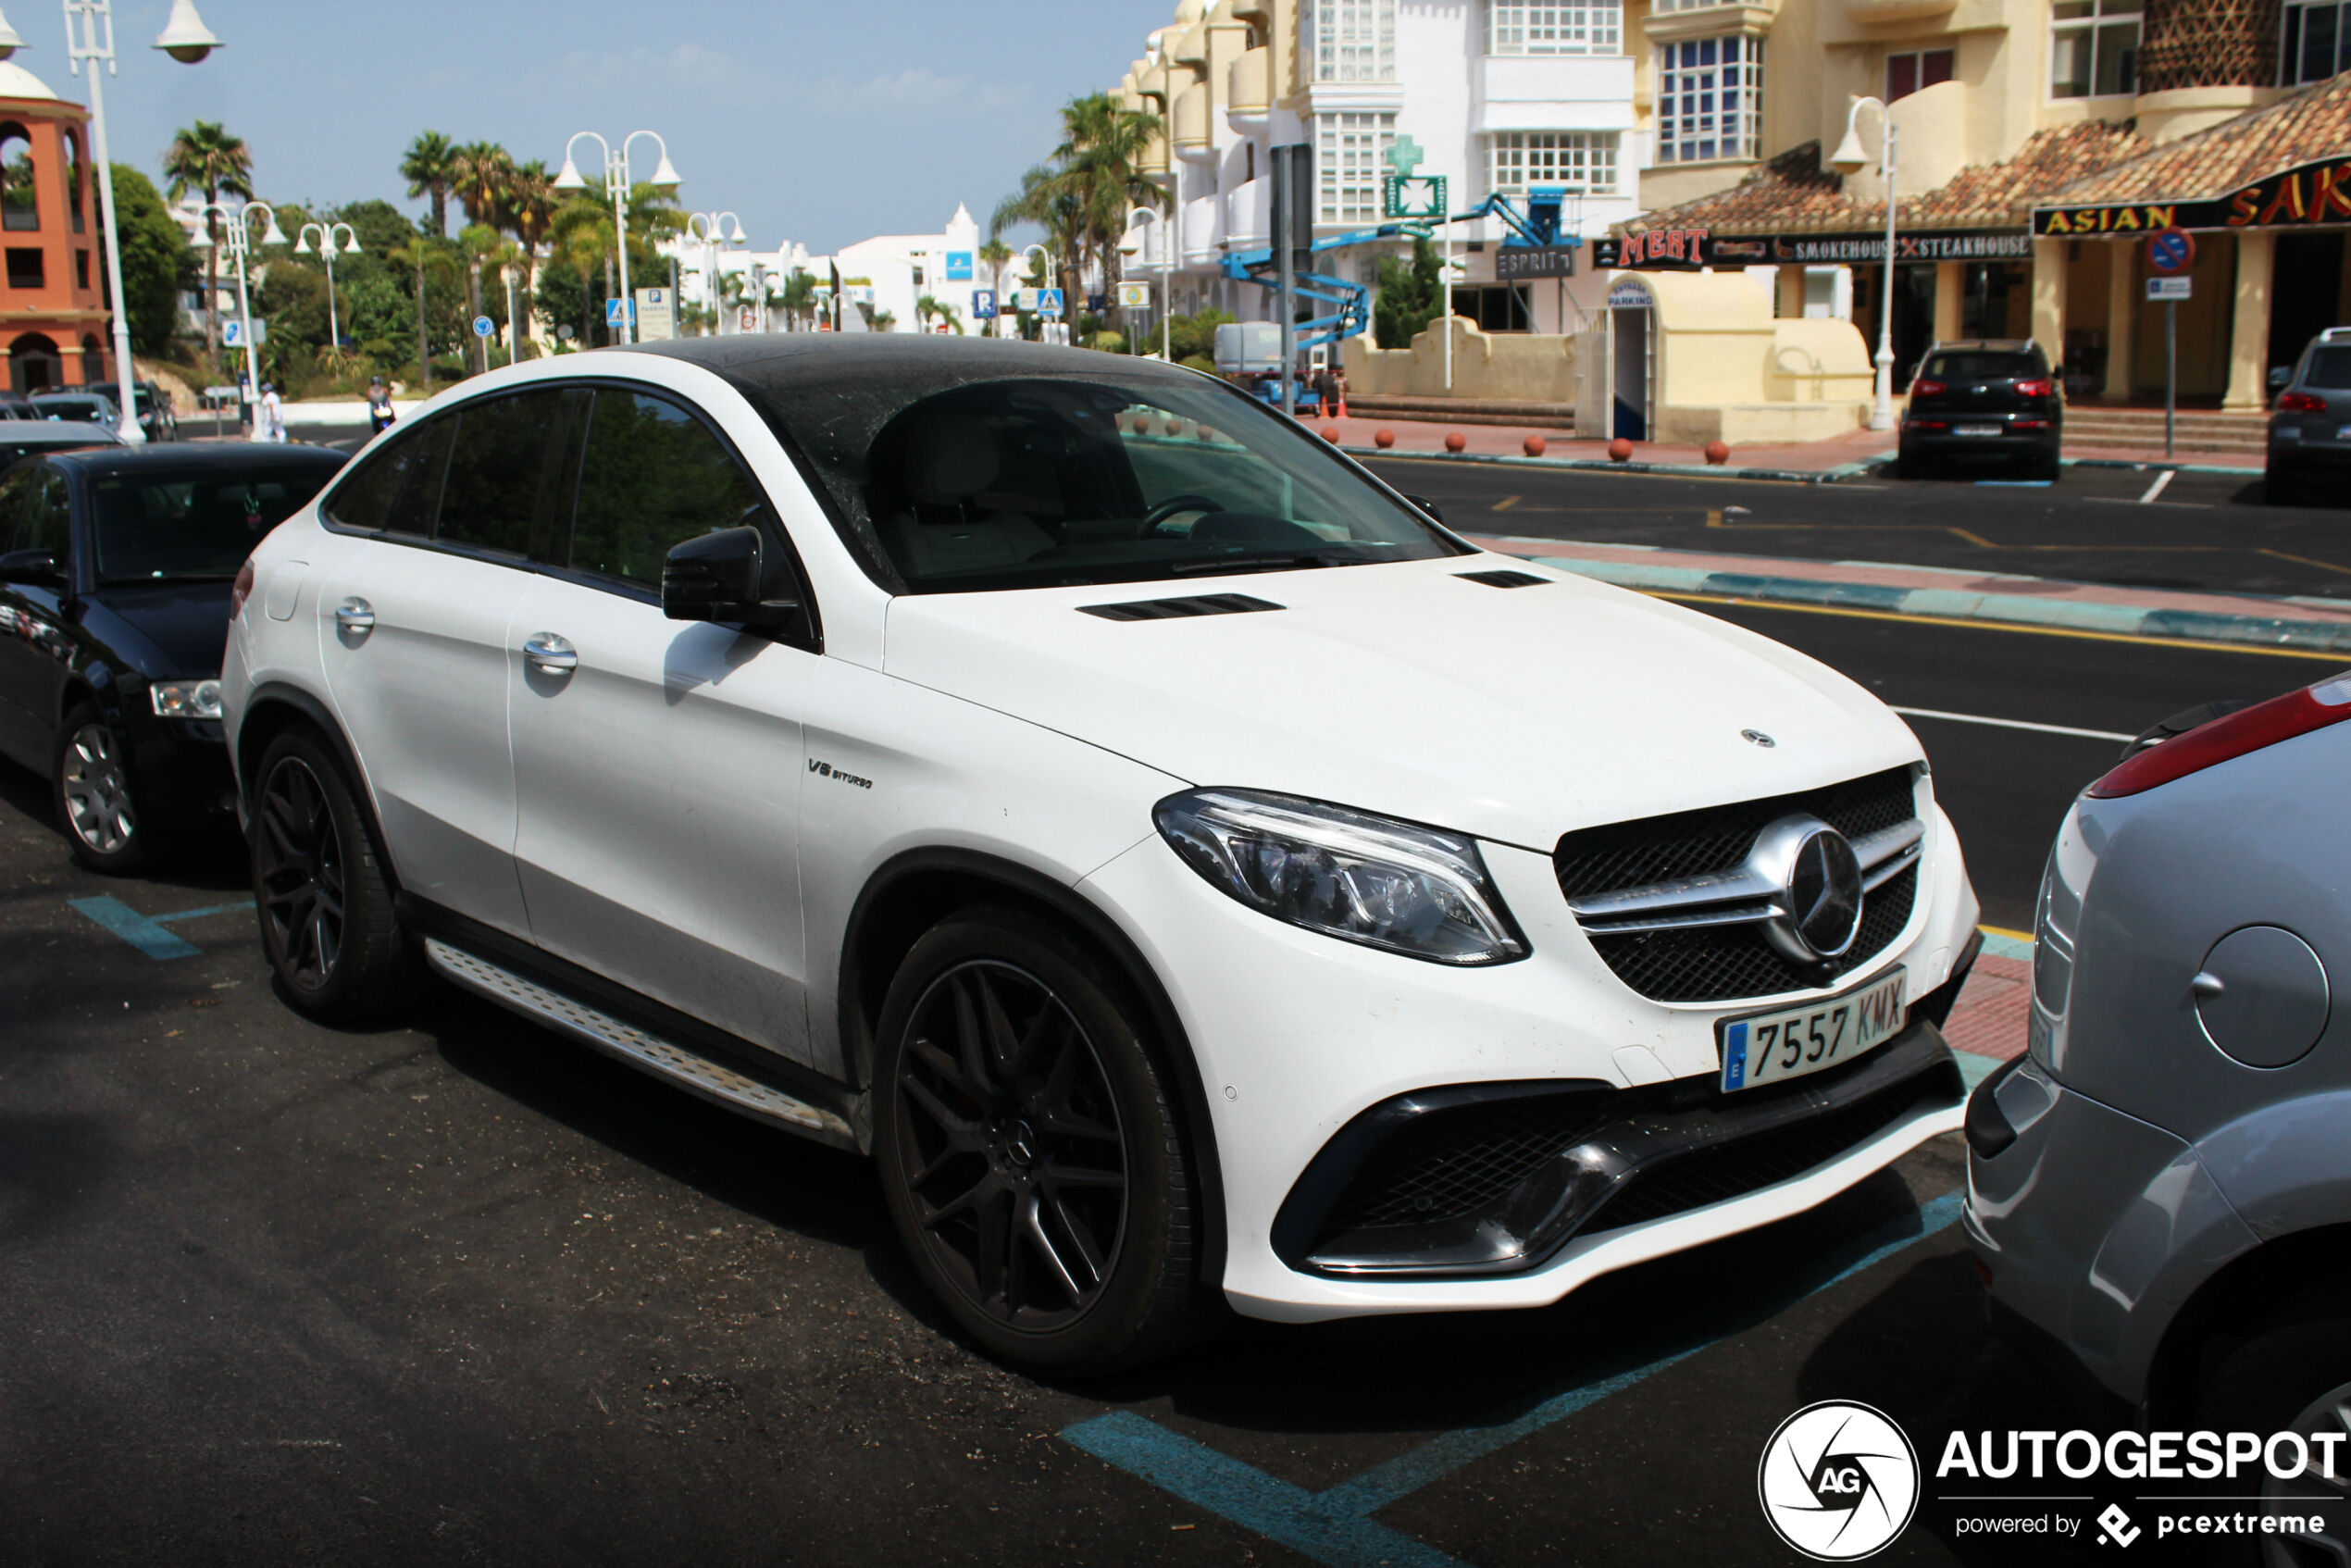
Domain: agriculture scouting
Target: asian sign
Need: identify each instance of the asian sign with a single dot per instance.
(2314, 192)
(1668, 249)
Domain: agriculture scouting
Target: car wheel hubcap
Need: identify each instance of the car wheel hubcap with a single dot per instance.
(1009, 1146)
(299, 868)
(97, 795)
(2312, 1491)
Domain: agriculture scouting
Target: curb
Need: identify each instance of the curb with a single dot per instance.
(1944, 603)
(1861, 468)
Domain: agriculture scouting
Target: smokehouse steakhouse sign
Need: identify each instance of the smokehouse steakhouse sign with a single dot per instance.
(2314, 192)
(1667, 249)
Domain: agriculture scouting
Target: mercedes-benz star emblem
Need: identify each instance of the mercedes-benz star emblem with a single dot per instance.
(1756, 736)
(1820, 905)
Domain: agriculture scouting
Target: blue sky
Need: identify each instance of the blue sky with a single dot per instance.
(817, 122)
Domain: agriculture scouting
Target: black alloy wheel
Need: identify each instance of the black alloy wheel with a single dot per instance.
(1033, 1164)
(298, 874)
(328, 923)
(1012, 1148)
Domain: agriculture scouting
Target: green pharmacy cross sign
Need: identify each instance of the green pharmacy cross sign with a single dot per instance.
(1405, 193)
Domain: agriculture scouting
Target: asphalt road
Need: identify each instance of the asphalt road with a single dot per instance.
(461, 1292)
(2201, 532)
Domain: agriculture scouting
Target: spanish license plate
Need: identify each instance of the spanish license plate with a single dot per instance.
(2343, 432)
(1764, 1048)
(1976, 429)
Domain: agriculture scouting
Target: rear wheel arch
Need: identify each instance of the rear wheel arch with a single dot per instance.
(271, 711)
(2215, 1316)
(914, 890)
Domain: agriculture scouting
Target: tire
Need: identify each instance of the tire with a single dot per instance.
(90, 784)
(1909, 466)
(2292, 1371)
(2280, 487)
(328, 925)
(1010, 1059)
(2045, 469)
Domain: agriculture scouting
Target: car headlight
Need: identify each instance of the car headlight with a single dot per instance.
(186, 699)
(1361, 878)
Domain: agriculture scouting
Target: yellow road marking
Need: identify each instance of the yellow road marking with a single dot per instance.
(1974, 539)
(1998, 626)
(1505, 503)
(2305, 560)
(2004, 931)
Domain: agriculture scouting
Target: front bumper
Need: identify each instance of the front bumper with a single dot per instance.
(1297, 1036)
(180, 771)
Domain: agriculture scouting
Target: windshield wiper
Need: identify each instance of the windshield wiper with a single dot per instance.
(1277, 561)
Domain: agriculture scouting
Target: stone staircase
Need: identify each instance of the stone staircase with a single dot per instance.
(2141, 430)
(1559, 417)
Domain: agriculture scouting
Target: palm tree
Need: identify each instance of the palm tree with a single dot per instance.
(480, 175)
(1082, 197)
(205, 158)
(799, 298)
(530, 214)
(427, 254)
(995, 254)
(582, 233)
(431, 168)
(480, 247)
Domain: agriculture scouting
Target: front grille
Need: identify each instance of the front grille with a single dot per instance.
(1747, 1164)
(1722, 963)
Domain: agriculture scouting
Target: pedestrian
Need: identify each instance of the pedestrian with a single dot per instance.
(1325, 392)
(379, 412)
(1339, 387)
(273, 414)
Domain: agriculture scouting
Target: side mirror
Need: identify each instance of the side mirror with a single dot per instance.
(37, 567)
(2281, 377)
(718, 577)
(1426, 505)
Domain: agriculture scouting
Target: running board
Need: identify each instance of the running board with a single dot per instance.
(663, 1058)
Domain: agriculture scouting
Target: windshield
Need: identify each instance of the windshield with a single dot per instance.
(1981, 367)
(2330, 369)
(192, 526)
(1034, 483)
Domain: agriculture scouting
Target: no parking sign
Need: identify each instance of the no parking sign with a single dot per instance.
(2170, 250)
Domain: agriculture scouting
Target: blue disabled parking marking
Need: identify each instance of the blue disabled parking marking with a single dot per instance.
(149, 933)
(1335, 1526)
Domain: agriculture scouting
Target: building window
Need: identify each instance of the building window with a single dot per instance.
(73, 180)
(2093, 48)
(25, 271)
(1908, 73)
(1709, 99)
(1355, 40)
(19, 205)
(2314, 42)
(1547, 27)
(1347, 150)
(82, 269)
(1581, 160)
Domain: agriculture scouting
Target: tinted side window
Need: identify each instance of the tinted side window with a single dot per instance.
(507, 475)
(46, 522)
(653, 476)
(368, 494)
(15, 493)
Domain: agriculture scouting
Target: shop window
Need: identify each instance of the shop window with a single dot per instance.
(1547, 27)
(1581, 160)
(2314, 42)
(1347, 150)
(1916, 70)
(1354, 40)
(20, 203)
(25, 271)
(2093, 48)
(1709, 99)
(1501, 308)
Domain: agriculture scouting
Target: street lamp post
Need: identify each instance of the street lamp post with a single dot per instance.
(326, 232)
(711, 229)
(235, 225)
(1849, 158)
(617, 186)
(90, 36)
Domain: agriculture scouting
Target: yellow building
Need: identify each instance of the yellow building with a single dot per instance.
(2039, 142)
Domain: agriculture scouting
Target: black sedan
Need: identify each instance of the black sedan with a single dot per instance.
(1989, 400)
(114, 608)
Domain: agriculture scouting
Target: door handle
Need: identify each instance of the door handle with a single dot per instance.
(545, 650)
(354, 614)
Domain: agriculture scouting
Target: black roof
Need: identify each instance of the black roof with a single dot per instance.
(785, 361)
(194, 456)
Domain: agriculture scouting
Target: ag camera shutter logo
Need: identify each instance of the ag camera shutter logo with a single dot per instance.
(1838, 1481)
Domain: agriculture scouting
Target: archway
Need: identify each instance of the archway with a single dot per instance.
(34, 363)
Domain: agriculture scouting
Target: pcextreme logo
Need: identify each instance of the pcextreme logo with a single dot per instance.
(1838, 1481)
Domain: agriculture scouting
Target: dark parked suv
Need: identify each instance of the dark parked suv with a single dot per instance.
(1983, 401)
(2310, 421)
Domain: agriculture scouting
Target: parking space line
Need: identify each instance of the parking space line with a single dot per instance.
(149, 933)
(2161, 481)
(1335, 1526)
(2014, 724)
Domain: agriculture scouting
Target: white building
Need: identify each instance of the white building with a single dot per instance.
(1497, 95)
(888, 275)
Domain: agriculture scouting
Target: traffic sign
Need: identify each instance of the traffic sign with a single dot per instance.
(1134, 296)
(2171, 289)
(616, 313)
(2171, 250)
(983, 304)
(483, 326)
(1049, 304)
(233, 334)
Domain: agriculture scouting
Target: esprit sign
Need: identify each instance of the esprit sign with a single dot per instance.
(2313, 193)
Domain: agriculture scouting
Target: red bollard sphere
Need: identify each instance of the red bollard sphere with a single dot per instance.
(1174, 427)
(1384, 439)
(1717, 453)
(1455, 441)
(1620, 449)
(1330, 433)
(1531, 446)
(1206, 434)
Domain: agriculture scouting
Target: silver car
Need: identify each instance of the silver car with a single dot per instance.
(2310, 419)
(2162, 1182)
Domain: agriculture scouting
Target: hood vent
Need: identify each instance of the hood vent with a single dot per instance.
(1503, 579)
(1178, 609)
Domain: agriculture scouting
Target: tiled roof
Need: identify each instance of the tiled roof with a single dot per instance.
(2311, 123)
(1793, 194)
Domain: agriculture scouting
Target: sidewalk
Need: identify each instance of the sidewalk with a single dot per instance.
(2318, 625)
(1839, 457)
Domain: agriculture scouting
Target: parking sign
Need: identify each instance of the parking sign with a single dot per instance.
(983, 304)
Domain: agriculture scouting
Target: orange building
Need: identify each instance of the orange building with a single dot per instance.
(53, 305)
